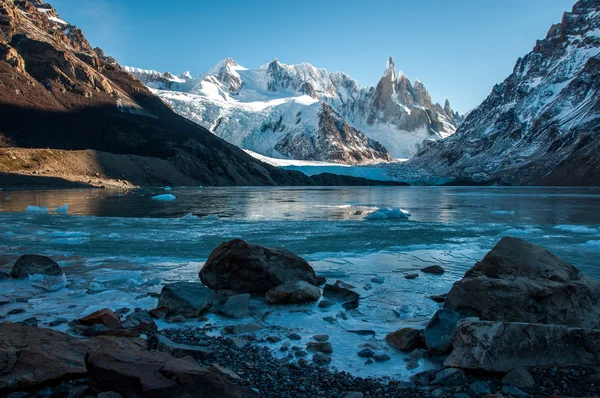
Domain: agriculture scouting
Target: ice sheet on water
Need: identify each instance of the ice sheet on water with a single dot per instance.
(48, 282)
(388, 214)
(167, 197)
(502, 212)
(577, 229)
(36, 209)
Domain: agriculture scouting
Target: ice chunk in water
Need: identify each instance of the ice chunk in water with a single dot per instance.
(114, 235)
(576, 229)
(212, 217)
(388, 214)
(503, 212)
(167, 188)
(167, 197)
(36, 209)
(190, 216)
(64, 209)
(48, 282)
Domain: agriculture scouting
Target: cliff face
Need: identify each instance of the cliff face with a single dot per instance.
(542, 124)
(56, 91)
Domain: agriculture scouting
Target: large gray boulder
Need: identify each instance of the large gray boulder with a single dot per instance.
(520, 282)
(504, 346)
(248, 268)
(185, 298)
(439, 331)
(30, 264)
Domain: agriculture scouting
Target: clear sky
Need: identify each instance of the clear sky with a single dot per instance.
(458, 48)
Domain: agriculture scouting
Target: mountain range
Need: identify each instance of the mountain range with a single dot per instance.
(304, 112)
(59, 93)
(540, 126)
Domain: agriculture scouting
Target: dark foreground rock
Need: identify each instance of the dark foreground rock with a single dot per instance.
(440, 330)
(156, 374)
(188, 299)
(31, 264)
(504, 346)
(31, 356)
(521, 282)
(248, 268)
(405, 339)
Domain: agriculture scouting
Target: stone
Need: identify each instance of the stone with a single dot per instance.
(321, 280)
(450, 377)
(514, 392)
(4, 275)
(324, 347)
(504, 346)
(411, 276)
(140, 321)
(354, 394)
(340, 292)
(54, 355)
(382, 357)
(439, 298)
(159, 312)
(321, 337)
(231, 305)
(439, 331)
(176, 319)
(365, 353)
(433, 269)
(520, 282)
(438, 393)
(30, 321)
(294, 336)
(248, 268)
(182, 350)
(241, 329)
(94, 330)
(273, 339)
(293, 293)
(188, 299)
(422, 378)
(321, 359)
(58, 322)
(412, 364)
(378, 279)
(479, 388)
(300, 353)
(78, 392)
(325, 303)
(224, 371)
(30, 264)
(157, 374)
(109, 394)
(519, 377)
(405, 339)
(104, 317)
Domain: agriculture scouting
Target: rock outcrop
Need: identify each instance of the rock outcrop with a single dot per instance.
(248, 268)
(504, 346)
(521, 282)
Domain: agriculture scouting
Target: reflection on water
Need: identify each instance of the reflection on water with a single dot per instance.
(429, 204)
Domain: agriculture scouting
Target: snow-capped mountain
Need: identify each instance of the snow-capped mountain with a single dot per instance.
(542, 124)
(304, 112)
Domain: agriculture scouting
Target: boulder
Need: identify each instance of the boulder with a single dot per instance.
(433, 269)
(156, 374)
(140, 321)
(248, 268)
(324, 347)
(293, 292)
(188, 299)
(520, 378)
(521, 282)
(241, 329)
(450, 377)
(504, 346)
(440, 329)
(31, 264)
(104, 317)
(159, 312)
(340, 291)
(31, 357)
(231, 305)
(405, 339)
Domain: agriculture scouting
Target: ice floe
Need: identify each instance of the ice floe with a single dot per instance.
(167, 197)
(388, 214)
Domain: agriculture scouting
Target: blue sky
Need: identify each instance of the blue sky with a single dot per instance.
(458, 48)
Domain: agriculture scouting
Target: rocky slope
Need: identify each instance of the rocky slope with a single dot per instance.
(57, 92)
(278, 110)
(541, 125)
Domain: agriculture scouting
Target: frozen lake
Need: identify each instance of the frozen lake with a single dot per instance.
(118, 246)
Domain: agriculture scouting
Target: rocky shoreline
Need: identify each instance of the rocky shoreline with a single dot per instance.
(520, 323)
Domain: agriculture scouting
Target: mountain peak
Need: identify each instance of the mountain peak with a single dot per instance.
(390, 69)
